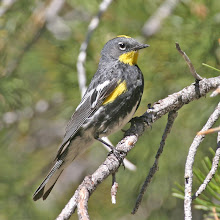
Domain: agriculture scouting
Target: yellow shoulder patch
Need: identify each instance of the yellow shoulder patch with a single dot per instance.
(121, 88)
(129, 58)
(123, 36)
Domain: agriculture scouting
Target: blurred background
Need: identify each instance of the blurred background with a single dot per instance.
(39, 46)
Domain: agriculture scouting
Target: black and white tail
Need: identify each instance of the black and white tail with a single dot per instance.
(47, 185)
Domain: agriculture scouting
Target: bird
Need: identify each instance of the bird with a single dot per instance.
(109, 103)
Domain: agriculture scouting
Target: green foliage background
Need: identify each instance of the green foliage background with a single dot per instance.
(38, 96)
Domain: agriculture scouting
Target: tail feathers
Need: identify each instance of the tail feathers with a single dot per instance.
(47, 185)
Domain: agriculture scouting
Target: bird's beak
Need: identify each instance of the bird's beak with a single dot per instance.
(140, 46)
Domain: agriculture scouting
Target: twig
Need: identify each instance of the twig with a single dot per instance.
(172, 103)
(5, 6)
(215, 214)
(83, 49)
(53, 9)
(70, 207)
(31, 32)
(211, 173)
(154, 23)
(127, 163)
(82, 207)
(209, 131)
(216, 92)
(171, 117)
(109, 166)
(190, 160)
(189, 63)
(114, 189)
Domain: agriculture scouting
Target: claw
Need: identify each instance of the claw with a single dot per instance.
(113, 151)
(117, 154)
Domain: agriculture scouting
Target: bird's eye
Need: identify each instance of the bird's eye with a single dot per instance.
(122, 46)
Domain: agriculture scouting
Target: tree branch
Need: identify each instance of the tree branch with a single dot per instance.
(190, 160)
(216, 92)
(31, 32)
(138, 125)
(5, 6)
(171, 117)
(83, 204)
(114, 188)
(154, 23)
(189, 63)
(211, 173)
(209, 131)
(83, 49)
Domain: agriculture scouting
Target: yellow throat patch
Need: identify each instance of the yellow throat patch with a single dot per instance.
(129, 58)
(121, 88)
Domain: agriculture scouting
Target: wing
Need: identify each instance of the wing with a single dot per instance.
(91, 101)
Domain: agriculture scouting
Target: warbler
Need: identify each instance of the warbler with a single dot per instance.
(110, 101)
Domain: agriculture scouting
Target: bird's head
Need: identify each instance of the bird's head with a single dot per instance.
(123, 48)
